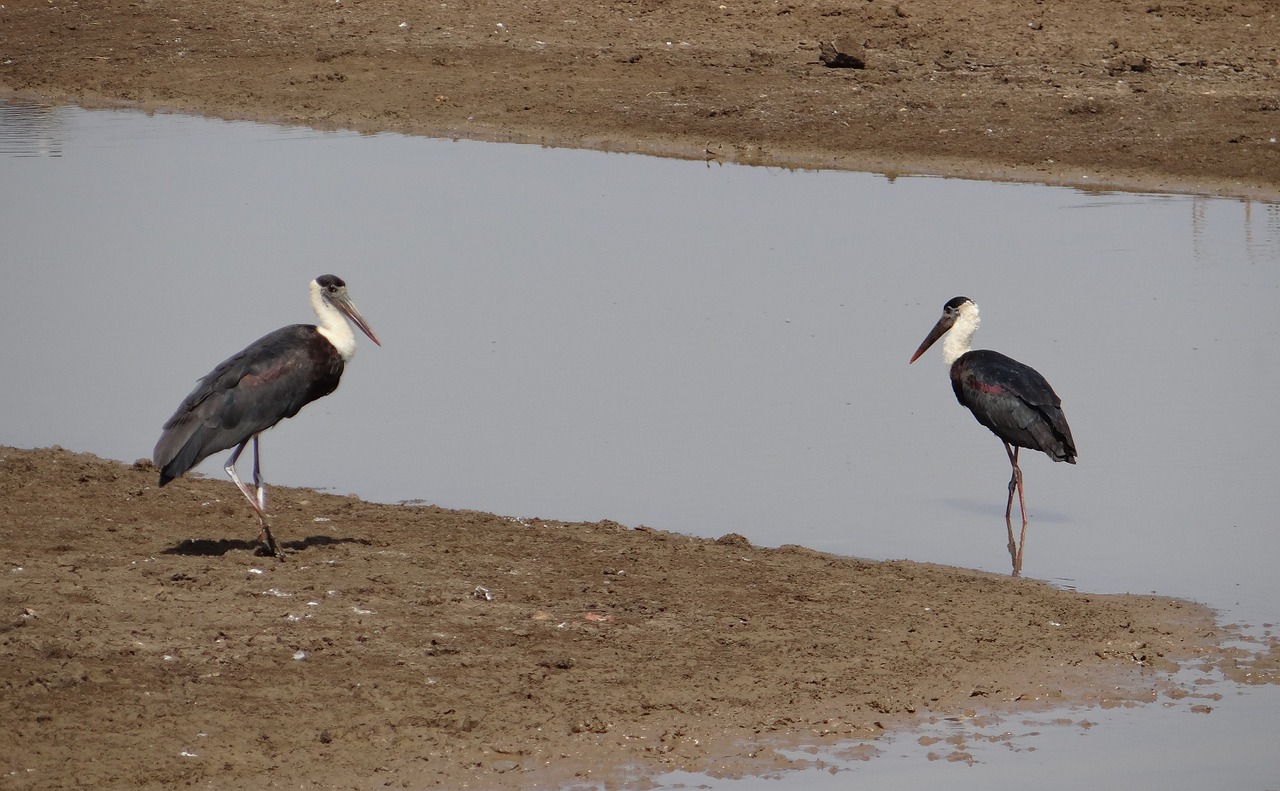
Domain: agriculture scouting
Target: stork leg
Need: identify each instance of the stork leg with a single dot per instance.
(257, 478)
(258, 498)
(269, 545)
(1015, 483)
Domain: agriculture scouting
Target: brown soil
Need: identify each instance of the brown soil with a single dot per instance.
(1157, 94)
(143, 644)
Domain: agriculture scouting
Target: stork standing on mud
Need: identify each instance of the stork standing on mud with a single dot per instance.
(1006, 396)
(271, 379)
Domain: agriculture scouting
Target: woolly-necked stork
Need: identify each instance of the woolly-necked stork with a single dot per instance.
(1006, 396)
(271, 379)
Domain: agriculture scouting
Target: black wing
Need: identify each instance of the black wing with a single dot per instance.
(1014, 401)
(268, 381)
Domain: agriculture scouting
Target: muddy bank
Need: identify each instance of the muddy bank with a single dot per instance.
(1147, 95)
(144, 645)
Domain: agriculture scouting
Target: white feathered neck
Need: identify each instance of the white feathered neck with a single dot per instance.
(959, 338)
(332, 324)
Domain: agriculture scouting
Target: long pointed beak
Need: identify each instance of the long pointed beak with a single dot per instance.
(937, 332)
(348, 309)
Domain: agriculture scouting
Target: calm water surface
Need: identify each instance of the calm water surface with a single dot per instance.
(705, 349)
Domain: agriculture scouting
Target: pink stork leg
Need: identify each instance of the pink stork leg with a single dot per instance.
(258, 498)
(1015, 483)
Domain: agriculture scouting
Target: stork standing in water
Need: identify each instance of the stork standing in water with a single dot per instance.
(271, 379)
(1006, 396)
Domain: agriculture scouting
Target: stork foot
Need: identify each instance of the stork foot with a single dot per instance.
(267, 546)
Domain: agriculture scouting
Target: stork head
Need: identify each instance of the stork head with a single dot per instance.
(329, 298)
(960, 311)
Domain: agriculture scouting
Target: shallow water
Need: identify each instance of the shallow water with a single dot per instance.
(707, 349)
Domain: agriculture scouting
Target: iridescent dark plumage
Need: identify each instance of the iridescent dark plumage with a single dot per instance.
(271, 380)
(1014, 401)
